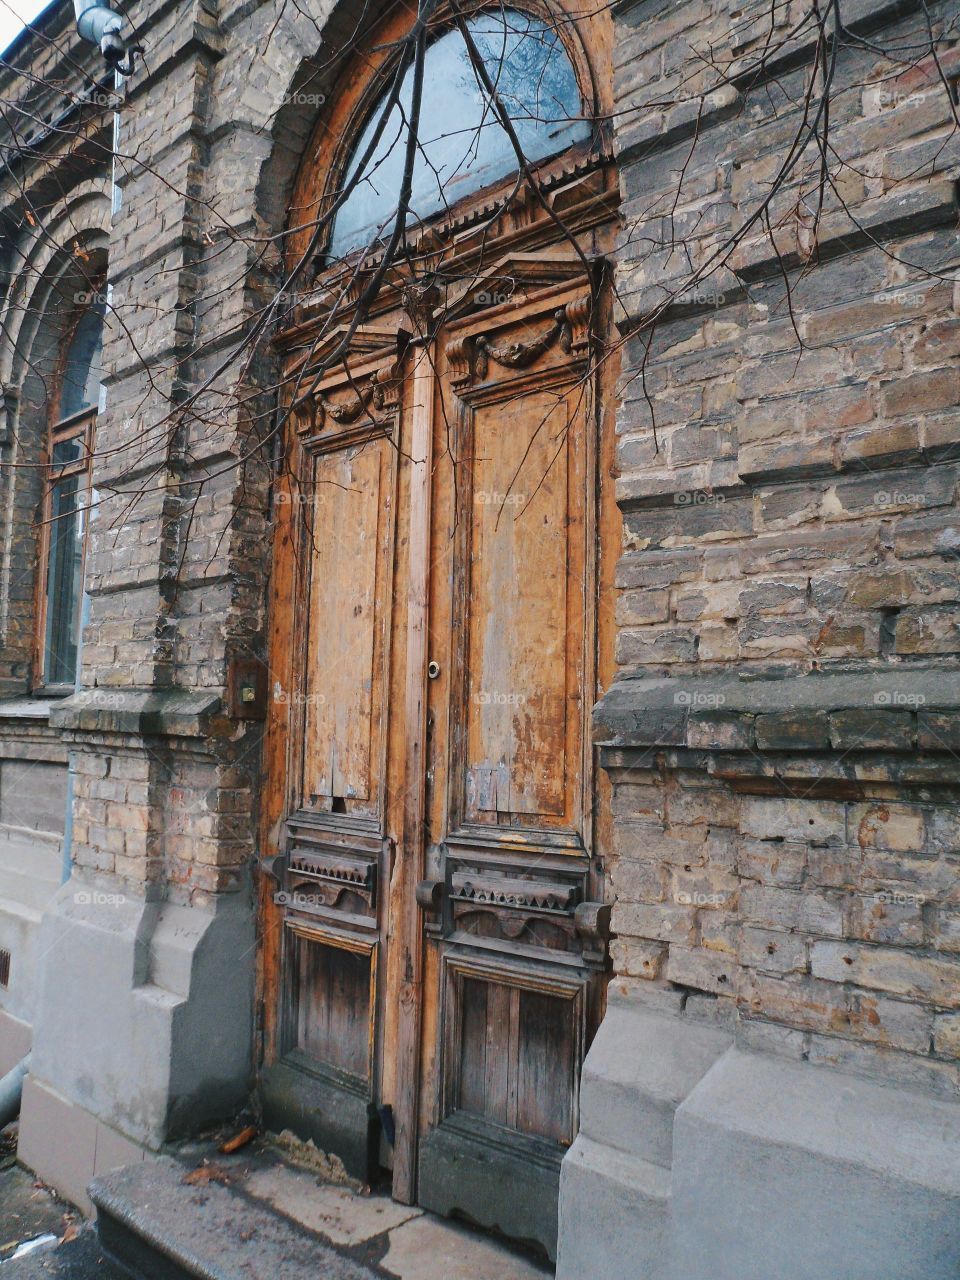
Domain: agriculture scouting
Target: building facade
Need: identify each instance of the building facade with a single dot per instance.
(507, 732)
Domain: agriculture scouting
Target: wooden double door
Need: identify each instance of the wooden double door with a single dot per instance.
(435, 935)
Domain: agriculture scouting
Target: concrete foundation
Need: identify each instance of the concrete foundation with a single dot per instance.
(775, 1169)
(164, 1042)
(66, 1146)
(14, 1041)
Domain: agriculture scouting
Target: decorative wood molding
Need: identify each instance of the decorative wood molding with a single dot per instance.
(373, 395)
(579, 317)
(592, 921)
(555, 935)
(387, 384)
(461, 356)
(512, 891)
(346, 413)
(309, 348)
(520, 355)
(430, 896)
(490, 901)
(581, 186)
(330, 876)
(469, 357)
(419, 301)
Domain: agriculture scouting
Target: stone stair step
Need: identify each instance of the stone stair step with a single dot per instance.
(617, 1198)
(160, 1226)
(640, 1068)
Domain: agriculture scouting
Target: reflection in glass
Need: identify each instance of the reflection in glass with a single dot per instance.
(462, 145)
(64, 564)
(81, 371)
(67, 451)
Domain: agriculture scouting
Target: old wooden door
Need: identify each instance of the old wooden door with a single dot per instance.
(434, 934)
(516, 930)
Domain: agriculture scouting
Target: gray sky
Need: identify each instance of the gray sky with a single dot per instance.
(13, 14)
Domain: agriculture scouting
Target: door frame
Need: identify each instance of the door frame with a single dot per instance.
(583, 184)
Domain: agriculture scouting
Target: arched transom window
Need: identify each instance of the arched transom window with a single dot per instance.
(462, 145)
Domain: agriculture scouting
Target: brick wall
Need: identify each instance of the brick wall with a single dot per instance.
(787, 459)
(788, 455)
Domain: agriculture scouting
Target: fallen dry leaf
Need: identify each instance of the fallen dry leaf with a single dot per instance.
(238, 1140)
(206, 1173)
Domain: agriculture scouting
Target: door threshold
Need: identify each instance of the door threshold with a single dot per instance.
(304, 1191)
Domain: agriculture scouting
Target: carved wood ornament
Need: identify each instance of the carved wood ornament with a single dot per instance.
(471, 355)
(375, 399)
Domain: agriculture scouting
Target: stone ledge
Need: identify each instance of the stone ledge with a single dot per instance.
(896, 710)
(823, 1172)
(812, 1170)
(26, 708)
(155, 1223)
(157, 712)
(774, 462)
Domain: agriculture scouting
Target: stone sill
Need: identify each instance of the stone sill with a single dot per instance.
(158, 712)
(897, 710)
(26, 708)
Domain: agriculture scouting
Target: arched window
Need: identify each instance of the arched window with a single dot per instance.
(81, 367)
(73, 406)
(462, 144)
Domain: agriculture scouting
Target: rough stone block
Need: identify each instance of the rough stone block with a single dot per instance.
(705, 970)
(885, 969)
(788, 819)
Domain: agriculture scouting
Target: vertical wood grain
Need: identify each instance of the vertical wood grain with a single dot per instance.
(409, 933)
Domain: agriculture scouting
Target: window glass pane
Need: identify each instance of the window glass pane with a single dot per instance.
(81, 371)
(463, 146)
(64, 564)
(67, 451)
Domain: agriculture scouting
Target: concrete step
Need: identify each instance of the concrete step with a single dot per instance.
(639, 1069)
(153, 1221)
(615, 1221)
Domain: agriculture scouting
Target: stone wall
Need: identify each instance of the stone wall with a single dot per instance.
(33, 794)
(153, 935)
(786, 849)
(781, 739)
(54, 219)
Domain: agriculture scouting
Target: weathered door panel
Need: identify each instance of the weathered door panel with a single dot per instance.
(515, 929)
(344, 694)
(516, 659)
(329, 907)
